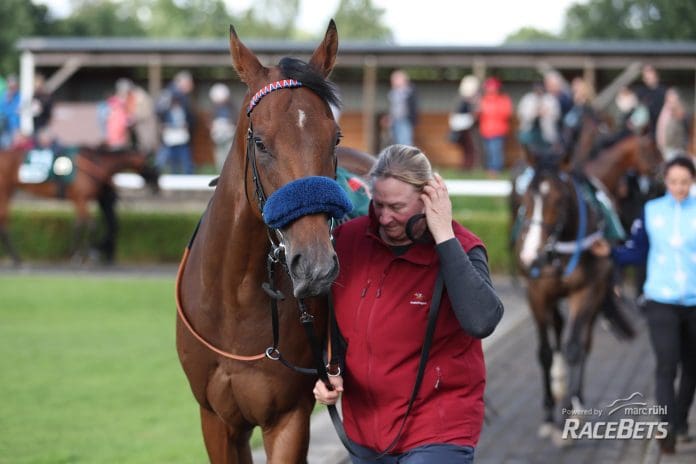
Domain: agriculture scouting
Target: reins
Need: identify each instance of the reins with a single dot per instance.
(573, 248)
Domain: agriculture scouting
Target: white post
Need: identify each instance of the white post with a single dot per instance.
(26, 92)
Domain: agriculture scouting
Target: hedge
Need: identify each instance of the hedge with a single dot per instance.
(156, 237)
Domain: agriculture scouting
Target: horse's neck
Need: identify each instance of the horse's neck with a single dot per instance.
(609, 166)
(234, 239)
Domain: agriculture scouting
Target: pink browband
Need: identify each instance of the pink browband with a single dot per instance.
(282, 84)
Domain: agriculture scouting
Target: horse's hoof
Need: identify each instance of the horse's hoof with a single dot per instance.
(558, 440)
(545, 430)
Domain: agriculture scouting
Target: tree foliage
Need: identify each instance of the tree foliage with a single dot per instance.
(621, 20)
(183, 18)
(632, 19)
(103, 18)
(531, 34)
(360, 19)
(19, 18)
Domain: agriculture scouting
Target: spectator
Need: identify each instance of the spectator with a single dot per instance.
(142, 120)
(672, 129)
(403, 108)
(117, 134)
(583, 93)
(538, 113)
(175, 112)
(381, 311)
(9, 113)
(41, 104)
(462, 122)
(494, 124)
(223, 125)
(633, 115)
(556, 86)
(652, 94)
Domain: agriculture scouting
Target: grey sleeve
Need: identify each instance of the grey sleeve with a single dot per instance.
(468, 282)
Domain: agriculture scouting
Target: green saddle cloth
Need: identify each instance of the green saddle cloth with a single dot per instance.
(356, 190)
(595, 196)
(44, 165)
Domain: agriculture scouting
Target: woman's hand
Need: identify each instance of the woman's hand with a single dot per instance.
(325, 396)
(601, 248)
(438, 209)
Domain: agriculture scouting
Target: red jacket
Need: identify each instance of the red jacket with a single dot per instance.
(382, 303)
(494, 115)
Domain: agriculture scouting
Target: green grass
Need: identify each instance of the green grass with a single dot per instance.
(89, 373)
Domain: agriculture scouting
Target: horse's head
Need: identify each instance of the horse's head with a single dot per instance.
(545, 213)
(289, 137)
(644, 156)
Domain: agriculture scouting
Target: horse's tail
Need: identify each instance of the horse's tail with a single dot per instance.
(616, 309)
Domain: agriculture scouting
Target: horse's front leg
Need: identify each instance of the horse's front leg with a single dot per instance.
(223, 445)
(583, 306)
(287, 440)
(538, 305)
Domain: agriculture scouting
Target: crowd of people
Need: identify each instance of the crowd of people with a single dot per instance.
(129, 118)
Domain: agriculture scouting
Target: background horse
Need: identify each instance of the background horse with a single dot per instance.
(224, 318)
(94, 168)
(558, 227)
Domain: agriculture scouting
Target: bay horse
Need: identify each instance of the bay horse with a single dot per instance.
(552, 251)
(94, 168)
(226, 340)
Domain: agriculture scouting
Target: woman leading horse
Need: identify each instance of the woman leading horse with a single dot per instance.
(263, 253)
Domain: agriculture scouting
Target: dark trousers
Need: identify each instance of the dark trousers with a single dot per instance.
(673, 338)
(426, 454)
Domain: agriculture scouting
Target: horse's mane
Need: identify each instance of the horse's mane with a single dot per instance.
(294, 68)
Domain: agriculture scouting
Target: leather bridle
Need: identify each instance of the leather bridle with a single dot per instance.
(275, 256)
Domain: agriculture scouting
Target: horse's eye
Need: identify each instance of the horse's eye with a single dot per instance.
(339, 136)
(259, 145)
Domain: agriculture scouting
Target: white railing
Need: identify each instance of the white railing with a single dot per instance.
(178, 182)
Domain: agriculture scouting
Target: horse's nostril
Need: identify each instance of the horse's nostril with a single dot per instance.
(296, 265)
(316, 269)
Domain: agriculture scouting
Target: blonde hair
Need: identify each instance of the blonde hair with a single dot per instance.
(405, 163)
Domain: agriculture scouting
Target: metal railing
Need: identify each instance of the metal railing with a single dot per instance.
(199, 182)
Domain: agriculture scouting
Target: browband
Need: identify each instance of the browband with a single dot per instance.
(268, 88)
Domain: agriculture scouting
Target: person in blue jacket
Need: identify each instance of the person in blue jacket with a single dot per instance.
(666, 238)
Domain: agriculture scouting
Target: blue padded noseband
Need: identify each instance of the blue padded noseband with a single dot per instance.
(308, 195)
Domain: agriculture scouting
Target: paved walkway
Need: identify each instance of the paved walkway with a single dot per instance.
(510, 436)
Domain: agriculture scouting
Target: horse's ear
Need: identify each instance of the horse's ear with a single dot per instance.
(244, 61)
(528, 155)
(324, 57)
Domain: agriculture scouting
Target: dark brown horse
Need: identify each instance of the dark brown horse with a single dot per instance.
(636, 153)
(551, 250)
(559, 225)
(93, 172)
(287, 134)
